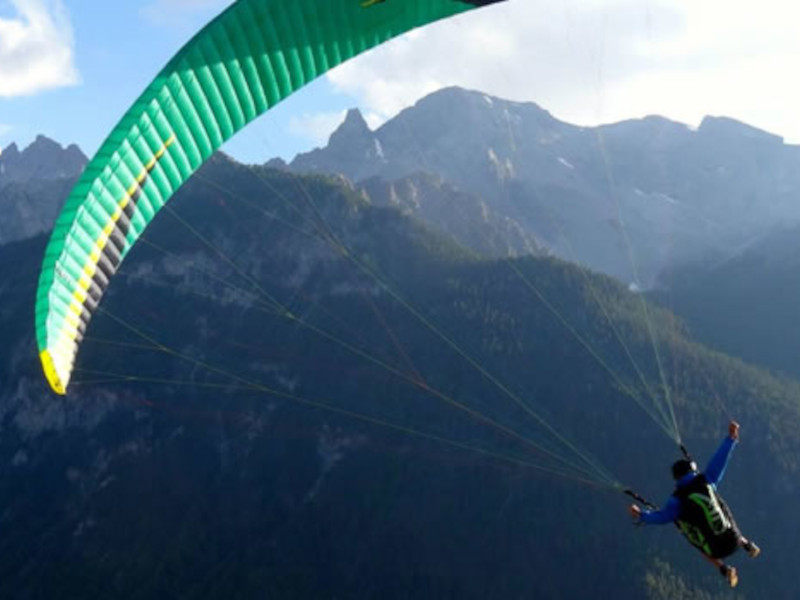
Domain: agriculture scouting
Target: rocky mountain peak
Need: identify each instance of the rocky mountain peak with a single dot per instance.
(353, 139)
(448, 132)
(354, 129)
(43, 159)
(11, 150)
(277, 163)
(34, 183)
(725, 128)
(353, 147)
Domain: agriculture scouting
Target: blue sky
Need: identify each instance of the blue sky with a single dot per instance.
(117, 48)
(70, 68)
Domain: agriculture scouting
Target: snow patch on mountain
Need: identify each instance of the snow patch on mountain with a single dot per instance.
(566, 163)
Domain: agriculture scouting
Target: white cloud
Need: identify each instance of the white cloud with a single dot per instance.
(36, 47)
(592, 61)
(554, 53)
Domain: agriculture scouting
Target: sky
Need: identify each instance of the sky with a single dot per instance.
(69, 69)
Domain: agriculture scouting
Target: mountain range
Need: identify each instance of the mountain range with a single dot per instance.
(627, 199)
(290, 390)
(631, 199)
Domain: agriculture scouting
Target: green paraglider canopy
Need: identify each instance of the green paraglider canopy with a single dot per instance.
(252, 56)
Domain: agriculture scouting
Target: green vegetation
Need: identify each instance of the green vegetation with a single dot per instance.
(202, 485)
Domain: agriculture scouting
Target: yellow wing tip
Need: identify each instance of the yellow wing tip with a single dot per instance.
(49, 367)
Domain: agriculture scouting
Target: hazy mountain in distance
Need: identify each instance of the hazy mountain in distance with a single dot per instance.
(748, 305)
(649, 193)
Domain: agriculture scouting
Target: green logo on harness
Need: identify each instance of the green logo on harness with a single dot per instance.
(715, 517)
(695, 537)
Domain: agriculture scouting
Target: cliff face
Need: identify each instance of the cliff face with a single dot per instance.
(34, 183)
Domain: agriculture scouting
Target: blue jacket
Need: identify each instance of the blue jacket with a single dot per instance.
(714, 473)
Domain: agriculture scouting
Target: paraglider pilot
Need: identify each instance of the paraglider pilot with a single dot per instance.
(700, 512)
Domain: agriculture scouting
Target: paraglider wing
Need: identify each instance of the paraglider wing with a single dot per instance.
(252, 56)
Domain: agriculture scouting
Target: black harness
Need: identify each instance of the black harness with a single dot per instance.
(705, 520)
